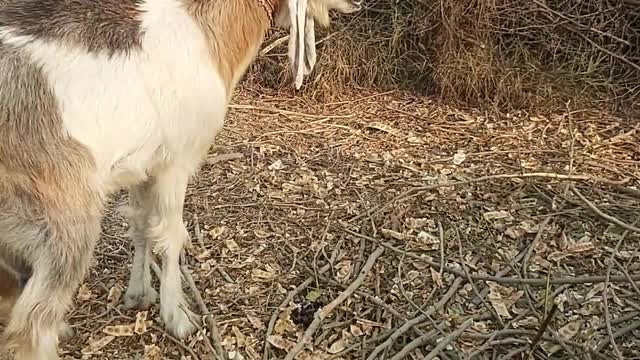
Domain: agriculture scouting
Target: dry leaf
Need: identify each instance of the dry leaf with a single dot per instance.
(203, 256)
(337, 346)
(140, 327)
(257, 324)
(394, 234)
(235, 355)
(345, 270)
(258, 274)
(232, 245)
(152, 352)
(119, 330)
(95, 346)
(570, 329)
(596, 289)
(436, 277)
(216, 232)
(581, 247)
(276, 165)
(459, 157)
(497, 215)
(114, 295)
(280, 343)
(84, 294)
(355, 330)
(241, 339)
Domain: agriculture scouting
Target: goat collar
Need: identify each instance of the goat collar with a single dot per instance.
(269, 7)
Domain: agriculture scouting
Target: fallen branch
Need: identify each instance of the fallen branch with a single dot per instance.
(328, 309)
(211, 322)
(605, 294)
(224, 157)
(422, 317)
(287, 300)
(505, 280)
(442, 344)
(420, 189)
(603, 215)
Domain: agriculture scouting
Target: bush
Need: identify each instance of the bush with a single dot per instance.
(504, 55)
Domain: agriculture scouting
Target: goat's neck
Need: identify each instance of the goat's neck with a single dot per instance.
(234, 30)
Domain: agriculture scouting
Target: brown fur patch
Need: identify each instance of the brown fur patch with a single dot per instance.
(234, 29)
(105, 25)
(44, 175)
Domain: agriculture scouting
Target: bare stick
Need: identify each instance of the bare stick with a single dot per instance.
(409, 324)
(441, 345)
(505, 280)
(419, 189)
(617, 334)
(213, 327)
(177, 342)
(287, 300)
(326, 310)
(224, 157)
(603, 215)
(605, 295)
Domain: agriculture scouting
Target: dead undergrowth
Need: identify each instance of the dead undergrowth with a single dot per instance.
(498, 55)
(419, 230)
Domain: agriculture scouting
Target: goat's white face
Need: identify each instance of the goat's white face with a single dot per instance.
(300, 17)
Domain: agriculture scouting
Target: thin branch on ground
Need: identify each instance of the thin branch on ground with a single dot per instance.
(211, 322)
(605, 293)
(504, 280)
(328, 309)
(442, 344)
(603, 215)
(422, 317)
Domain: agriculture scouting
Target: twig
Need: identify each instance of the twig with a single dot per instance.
(213, 327)
(177, 342)
(442, 344)
(224, 157)
(603, 215)
(605, 295)
(506, 280)
(420, 189)
(284, 303)
(422, 317)
(326, 310)
(470, 280)
(543, 327)
(617, 334)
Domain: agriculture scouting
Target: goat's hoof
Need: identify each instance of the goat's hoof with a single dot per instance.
(140, 300)
(180, 322)
(66, 332)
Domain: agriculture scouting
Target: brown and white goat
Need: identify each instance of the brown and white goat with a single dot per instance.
(99, 95)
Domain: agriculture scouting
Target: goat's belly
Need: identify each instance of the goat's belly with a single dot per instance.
(133, 111)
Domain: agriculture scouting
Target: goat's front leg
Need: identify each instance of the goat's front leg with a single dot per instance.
(140, 294)
(169, 235)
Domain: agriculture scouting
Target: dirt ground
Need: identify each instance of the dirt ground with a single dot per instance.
(424, 231)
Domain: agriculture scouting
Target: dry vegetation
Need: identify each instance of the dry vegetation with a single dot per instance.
(499, 55)
(351, 223)
(420, 230)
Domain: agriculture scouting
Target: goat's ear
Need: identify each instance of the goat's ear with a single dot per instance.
(309, 45)
(297, 35)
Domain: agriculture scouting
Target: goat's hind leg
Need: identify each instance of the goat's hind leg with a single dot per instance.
(169, 234)
(60, 256)
(140, 294)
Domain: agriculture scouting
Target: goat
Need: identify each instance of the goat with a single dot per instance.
(102, 95)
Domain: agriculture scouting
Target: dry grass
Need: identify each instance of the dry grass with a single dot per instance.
(319, 187)
(498, 55)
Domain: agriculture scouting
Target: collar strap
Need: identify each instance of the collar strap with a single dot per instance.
(269, 8)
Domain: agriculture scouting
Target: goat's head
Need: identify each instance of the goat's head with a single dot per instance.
(300, 17)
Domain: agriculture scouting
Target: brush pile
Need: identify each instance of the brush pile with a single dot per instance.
(494, 54)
